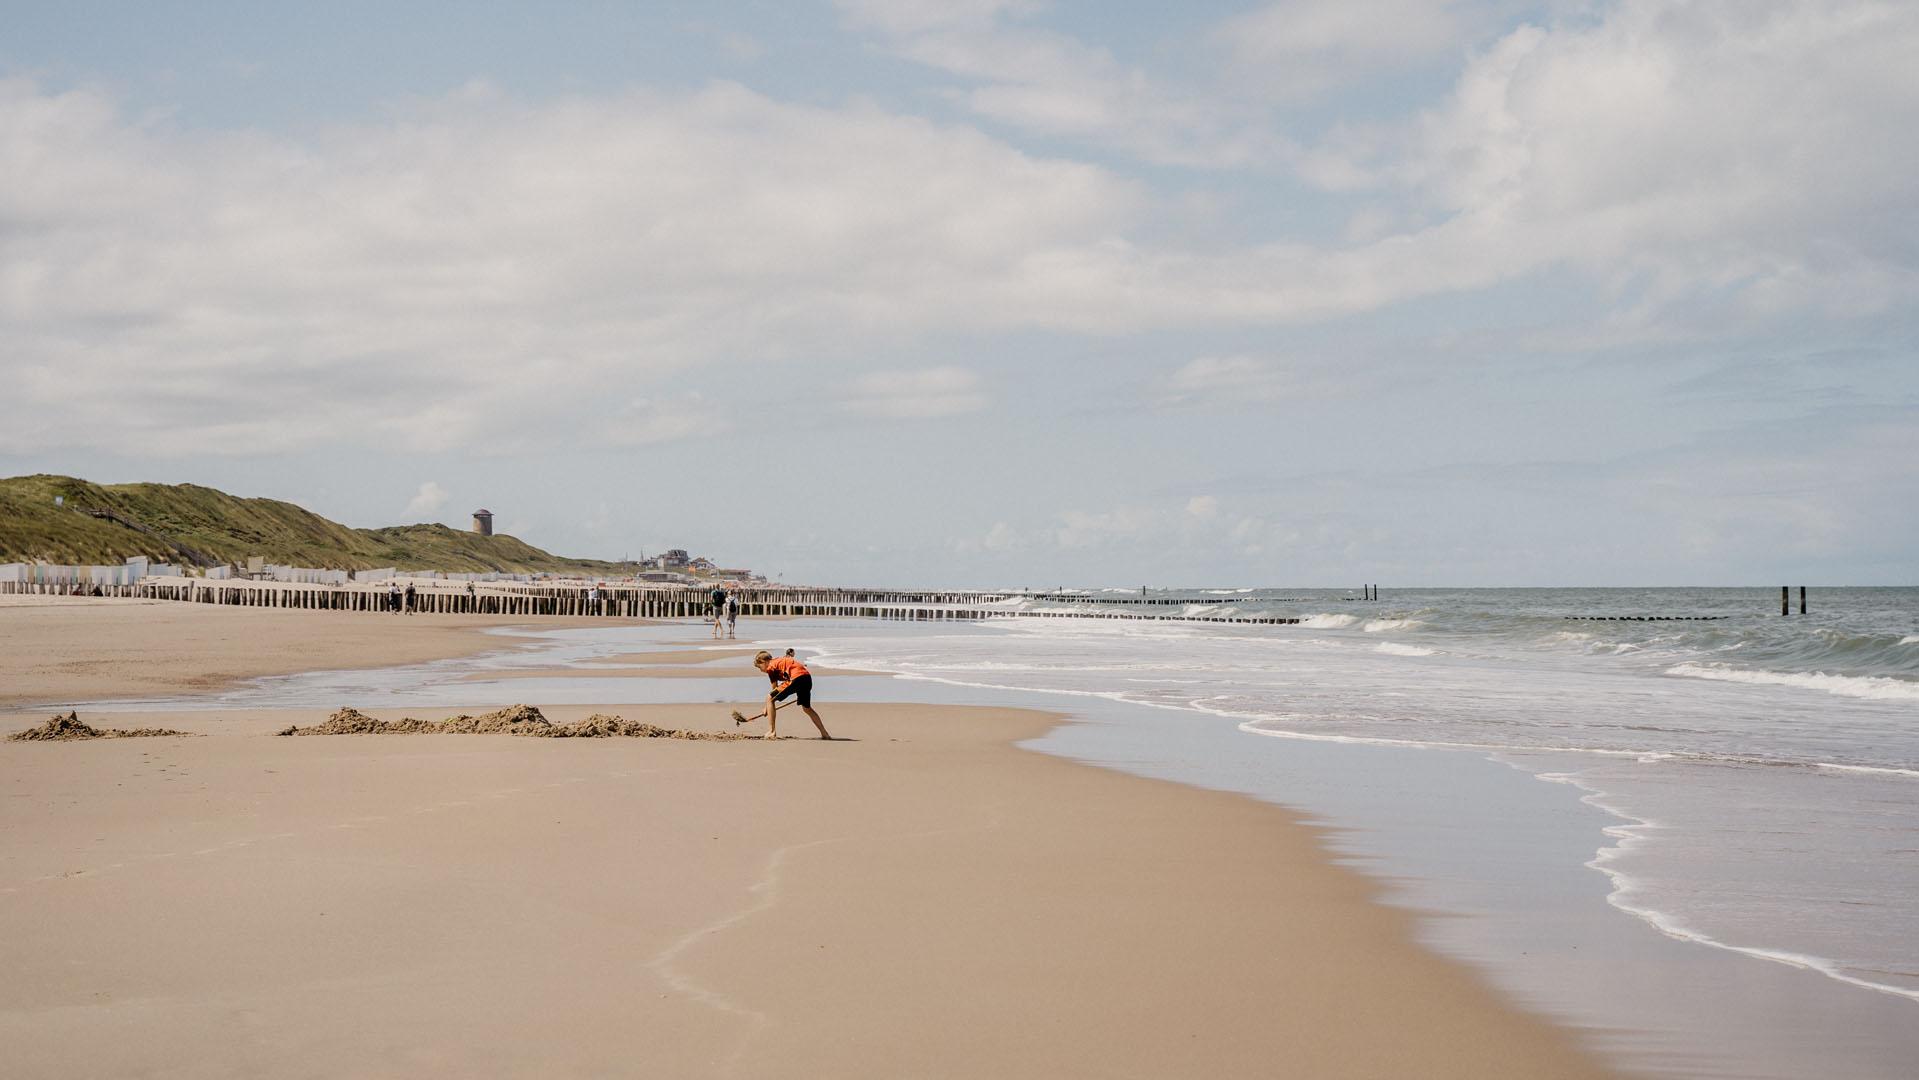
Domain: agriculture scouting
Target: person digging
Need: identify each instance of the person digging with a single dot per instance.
(790, 679)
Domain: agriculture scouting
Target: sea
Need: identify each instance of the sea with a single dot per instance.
(1675, 820)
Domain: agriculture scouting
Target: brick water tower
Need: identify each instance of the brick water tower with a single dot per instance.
(483, 522)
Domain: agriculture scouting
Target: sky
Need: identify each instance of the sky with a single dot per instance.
(992, 292)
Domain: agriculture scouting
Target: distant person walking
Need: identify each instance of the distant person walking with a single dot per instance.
(718, 598)
(412, 598)
(790, 679)
(393, 597)
(732, 613)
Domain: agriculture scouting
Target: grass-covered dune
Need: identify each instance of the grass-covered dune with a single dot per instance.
(193, 525)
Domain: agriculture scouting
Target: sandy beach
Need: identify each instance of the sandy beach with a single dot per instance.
(919, 898)
(61, 649)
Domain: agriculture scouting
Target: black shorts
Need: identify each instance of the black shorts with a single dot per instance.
(800, 690)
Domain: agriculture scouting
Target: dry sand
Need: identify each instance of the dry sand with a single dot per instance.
(919, 899)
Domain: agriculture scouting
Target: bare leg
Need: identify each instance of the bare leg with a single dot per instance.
(817, 722)
(772, 718)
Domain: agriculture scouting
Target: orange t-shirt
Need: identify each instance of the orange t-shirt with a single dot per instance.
(783, 670)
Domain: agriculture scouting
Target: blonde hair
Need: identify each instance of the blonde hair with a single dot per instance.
(762, 657)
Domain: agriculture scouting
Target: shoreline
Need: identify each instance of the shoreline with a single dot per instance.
(927, 898)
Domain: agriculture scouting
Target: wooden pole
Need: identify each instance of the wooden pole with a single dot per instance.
(1802, 599)
(1785, 600)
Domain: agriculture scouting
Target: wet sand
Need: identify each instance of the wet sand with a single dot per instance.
(57, 651)
(921, 898)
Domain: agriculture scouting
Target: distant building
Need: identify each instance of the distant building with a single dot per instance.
(674, 559)
(483, 522)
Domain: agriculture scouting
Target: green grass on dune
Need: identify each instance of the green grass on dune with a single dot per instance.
(189, 524)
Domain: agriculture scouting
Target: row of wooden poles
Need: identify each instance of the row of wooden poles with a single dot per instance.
(938, 614)
(66, 588)
(610, 601)
(635, 602)
(641, 602)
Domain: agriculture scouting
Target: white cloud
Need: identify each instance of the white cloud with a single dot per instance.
(649, 421)
(426, 502)
(930, 392)
(1225, 380)
(471, 272)
(1001, 537)
(1058, 85)
(1297, 48)
(1676, 152)
(474, 272)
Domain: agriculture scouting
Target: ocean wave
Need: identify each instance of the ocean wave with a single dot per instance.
(1374, 626)
(1626, 889)
(1394, 648)
(1866, 769)
(1873, 687)
(1329, 621)
(1909, 639)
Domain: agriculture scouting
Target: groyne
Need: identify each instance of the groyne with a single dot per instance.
(614, 601)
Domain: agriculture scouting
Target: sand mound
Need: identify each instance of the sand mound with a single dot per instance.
(601, 726)
(70, 726)
(512, 720)
(354, 722)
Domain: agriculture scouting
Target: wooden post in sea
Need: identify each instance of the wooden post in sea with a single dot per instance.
(1802, 599)
(1785, 600)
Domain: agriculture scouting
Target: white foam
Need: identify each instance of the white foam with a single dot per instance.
(1866, 769)
(1875, 687)
(1374, 626)
(1909, 639)
(1394, 648)
(1639, 831)
(1328, 621)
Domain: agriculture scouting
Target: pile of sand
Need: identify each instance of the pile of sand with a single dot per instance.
(512, 720)
(355, 722)
(64, 728)
(601, 726)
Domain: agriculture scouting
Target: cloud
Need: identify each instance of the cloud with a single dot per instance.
(470, 272)
(1055, 84)
(930, 392)
(426, 502)
(1681, 154)
(1002, 537)
(1299, 48)
(1219, 380)
(650, 421)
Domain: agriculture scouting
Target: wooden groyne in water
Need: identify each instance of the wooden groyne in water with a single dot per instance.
(633, 601)
(1646, 618)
